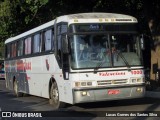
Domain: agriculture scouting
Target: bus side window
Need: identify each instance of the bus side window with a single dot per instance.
(14, 49)
(46, 42)
(28, 46)
(20, 48)
(36, 43)
(48, 39)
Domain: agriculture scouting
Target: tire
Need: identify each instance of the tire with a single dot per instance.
(15, 88)
(54, 97)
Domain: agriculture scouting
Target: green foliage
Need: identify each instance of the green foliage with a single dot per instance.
(5, 14)
(31, 8)
(17, 16)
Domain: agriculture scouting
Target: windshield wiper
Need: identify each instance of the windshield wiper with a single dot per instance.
(119, 54)
(99, 65)
(123, 58)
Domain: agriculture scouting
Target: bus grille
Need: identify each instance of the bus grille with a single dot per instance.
(112, 82)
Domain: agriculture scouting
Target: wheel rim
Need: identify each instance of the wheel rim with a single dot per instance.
(55, 95)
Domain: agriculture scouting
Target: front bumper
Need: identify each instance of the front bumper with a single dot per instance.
(82, 95)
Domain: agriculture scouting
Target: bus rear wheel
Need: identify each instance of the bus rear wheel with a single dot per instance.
(15, 88)
(54, 97)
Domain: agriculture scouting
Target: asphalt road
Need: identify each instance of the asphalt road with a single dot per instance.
(110, 110)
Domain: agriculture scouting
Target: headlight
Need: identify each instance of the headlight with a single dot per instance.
(137, 80)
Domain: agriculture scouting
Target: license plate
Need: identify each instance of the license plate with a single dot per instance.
(113, 92)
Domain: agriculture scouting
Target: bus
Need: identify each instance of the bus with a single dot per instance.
(78, 58)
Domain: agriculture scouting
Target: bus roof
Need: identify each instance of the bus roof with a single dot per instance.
(96, 15)
(71, 17)
(46, 25)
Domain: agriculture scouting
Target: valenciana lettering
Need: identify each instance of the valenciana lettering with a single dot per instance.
(111, 73)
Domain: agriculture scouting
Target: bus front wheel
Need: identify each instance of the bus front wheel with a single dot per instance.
(54, 97)
(15, 88)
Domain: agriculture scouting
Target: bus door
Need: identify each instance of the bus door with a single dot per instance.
(62, 49)
(62, 57)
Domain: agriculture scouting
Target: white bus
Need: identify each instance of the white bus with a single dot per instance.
(77, 58)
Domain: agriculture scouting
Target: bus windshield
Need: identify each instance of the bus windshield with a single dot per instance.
(105, 50)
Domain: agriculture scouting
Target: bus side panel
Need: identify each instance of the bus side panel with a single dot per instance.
(34, 75)
(65, 91)
(50, 69)
(7, 70)
(10, 72)
(40, 73)
(21, 76)
(31, 70)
